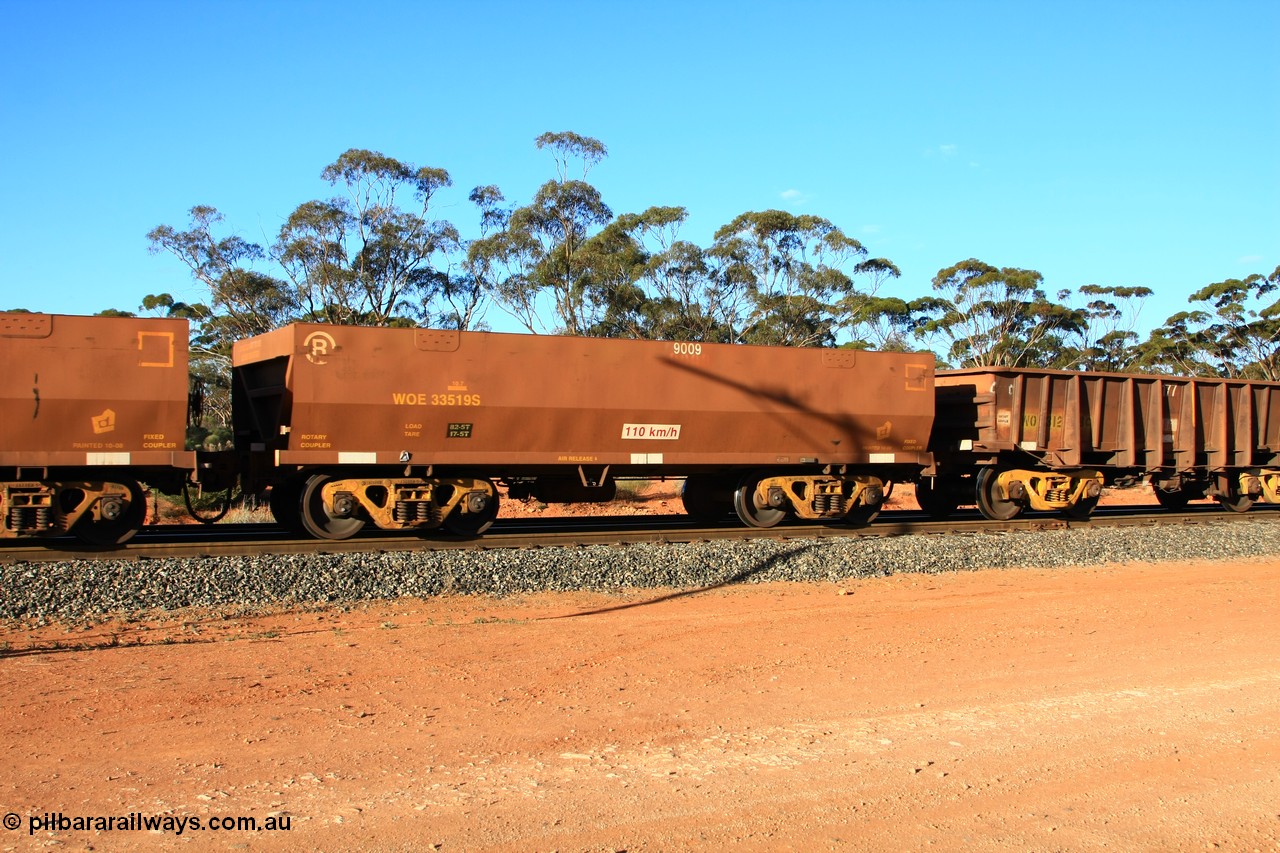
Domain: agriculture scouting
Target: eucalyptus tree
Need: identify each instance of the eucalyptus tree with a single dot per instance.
(612, 265)
(1236, 335)
(685, 302)
(567, 147)
(882, 322)
(886, 323)
(246, 301)
(653, 285)
(996, 317)
(1246, 325)
(1105, 338)
(552, 229)
(539, 254)
(791, 273)
(1179, 347)
(360, 258)
(465, 295)
(503, 263)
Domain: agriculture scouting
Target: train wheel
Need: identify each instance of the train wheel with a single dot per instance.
(936, 500)
(126, 521)
(284, 502)
(1172, 500)
(315, 516)
(862, 515)
(1081, 509)
(990, 503)
(707, 497)
(752, 515)
(473, 523)
(1235, 503)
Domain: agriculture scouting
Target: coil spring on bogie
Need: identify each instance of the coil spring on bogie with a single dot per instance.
(832, 504)
(416, 512)
(1058, 495)
(29, 518)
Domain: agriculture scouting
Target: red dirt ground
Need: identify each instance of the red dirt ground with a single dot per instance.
(1130, 707)
(663, 498)
(647, 497)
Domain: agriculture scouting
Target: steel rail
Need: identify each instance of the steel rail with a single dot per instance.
(171, 541)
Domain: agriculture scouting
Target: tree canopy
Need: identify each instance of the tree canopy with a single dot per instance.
(377, 251)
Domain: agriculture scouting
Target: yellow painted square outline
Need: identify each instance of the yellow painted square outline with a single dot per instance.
(167, 336)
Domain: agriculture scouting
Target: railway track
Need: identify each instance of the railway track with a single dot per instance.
(259, 539)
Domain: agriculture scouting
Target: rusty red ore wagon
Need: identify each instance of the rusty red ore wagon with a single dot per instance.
(90, 407)
(1011, 439)
(416, 428)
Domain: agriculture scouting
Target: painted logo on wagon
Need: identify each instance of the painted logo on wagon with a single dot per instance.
(318, 346)
(105, 422)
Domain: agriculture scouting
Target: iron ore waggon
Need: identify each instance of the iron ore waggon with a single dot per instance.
(1011, 439)
(90, 408)
(417, 428)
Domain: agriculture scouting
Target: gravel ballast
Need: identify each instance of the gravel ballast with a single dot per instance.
(78, 590)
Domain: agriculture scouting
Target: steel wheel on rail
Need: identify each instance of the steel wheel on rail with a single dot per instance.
(483, 510)
(990, 502)
(315, 517)
(1081, 509)
(750, 512)
(1174, 500)
(118, 520)
(936, 499)
(863, 514)
(707, 497)
(1235, 503)
(284, 501)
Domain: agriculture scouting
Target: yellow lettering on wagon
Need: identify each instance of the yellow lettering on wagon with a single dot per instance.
(418, 399)
(314, 441)
(1032, 421)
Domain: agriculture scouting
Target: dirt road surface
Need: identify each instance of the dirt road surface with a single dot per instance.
(1118, 708)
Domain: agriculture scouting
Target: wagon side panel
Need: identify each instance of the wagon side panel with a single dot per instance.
(383, 396)
(93, 391)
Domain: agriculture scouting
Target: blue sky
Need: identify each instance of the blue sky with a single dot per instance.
(1099, 143)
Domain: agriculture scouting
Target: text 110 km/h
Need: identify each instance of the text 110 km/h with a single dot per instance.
(663, 432)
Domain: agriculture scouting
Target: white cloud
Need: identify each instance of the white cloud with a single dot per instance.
(1250, 259)
(946, 151)
(795, 197)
